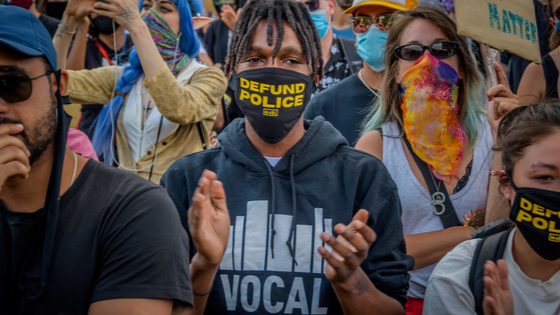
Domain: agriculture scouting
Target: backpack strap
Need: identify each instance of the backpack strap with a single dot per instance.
(490, 248)
(355, 62)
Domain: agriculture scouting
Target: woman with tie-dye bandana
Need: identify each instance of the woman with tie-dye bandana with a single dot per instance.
(161, 106)
(431, 95)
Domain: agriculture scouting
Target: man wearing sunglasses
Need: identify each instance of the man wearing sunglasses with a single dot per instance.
(76, 236)
(345, 105)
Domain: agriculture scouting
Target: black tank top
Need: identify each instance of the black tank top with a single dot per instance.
(551, 77)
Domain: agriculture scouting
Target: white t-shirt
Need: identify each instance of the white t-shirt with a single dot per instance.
(448, 288)
(272, 160)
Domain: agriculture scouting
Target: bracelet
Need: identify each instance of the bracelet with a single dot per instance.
(494, 173)
(205, 294)
(63, 27)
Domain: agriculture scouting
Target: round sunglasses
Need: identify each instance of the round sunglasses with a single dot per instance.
(440, 50)
(361, 24)
(17, 86)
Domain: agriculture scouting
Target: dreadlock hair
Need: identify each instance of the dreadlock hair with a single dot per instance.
(297, 16)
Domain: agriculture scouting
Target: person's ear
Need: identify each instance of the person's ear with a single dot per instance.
(552, 23)
(63, 86)
(330, 8)
(200, 22)
(505, 185)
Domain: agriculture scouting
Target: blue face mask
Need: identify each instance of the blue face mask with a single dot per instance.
(371, 47)
(320, 20)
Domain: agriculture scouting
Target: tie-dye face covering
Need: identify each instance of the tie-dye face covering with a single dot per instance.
(431, 115)
(167, 41)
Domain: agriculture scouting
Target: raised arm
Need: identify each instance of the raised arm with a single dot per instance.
(126, 13)
(196, 101)
(76, 10)
(77, 56)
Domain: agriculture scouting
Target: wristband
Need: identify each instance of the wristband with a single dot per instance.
(63, 27)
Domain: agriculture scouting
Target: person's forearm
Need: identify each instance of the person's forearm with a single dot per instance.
(62, 39)
(77, 56)
(429, 248)
(146, 48)
(202, 278)
(359, 296)
(497, 207)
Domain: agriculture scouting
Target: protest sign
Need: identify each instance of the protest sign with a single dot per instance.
(502, 24)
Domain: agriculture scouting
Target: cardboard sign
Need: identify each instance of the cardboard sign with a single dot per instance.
(503, 24)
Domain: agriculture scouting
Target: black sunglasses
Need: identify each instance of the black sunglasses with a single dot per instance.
(16, 87)
(440, 50)
(557, 15)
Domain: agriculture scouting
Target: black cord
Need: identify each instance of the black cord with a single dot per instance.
(155, 148)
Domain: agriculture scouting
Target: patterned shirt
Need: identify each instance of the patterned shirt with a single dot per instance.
(336, 68)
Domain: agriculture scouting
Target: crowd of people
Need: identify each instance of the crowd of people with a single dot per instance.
(274, 157)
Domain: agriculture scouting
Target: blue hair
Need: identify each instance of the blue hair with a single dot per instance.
(107, 119)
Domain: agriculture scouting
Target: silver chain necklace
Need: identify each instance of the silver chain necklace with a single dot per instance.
(367, 86)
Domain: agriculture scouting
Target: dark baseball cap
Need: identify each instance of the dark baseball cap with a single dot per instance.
(23, 32)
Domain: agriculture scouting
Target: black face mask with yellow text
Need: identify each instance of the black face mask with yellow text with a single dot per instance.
(536, 213)
(272, 99)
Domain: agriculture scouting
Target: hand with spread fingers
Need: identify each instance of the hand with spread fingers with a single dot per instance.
(124, 12)
(498, 299)
(501, 99)
(14, 156)
(209, 220)
(79, 9)
(228, 16)
(349, 250)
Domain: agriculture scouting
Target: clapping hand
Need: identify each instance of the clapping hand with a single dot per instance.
(501, 99)
(349, 250)
(498, 299)
(209, 220)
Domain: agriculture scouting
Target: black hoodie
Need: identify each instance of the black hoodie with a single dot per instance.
(330, 182)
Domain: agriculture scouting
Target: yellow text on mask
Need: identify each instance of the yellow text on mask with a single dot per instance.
(536, 214)
(257, 92)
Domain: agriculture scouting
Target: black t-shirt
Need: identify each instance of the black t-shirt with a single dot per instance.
(344, 105)
(216, 41)
(117, 236)
(50, 23)
(95, 59)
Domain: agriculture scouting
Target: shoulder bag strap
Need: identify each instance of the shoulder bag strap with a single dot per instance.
(490, 248)
(448, 217)
(355, 63)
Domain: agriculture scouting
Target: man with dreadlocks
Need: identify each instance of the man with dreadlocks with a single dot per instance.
(291, 183)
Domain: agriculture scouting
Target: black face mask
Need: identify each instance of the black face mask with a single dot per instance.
(104, 25)
(272, 99)
(56, 9)
(536, 213)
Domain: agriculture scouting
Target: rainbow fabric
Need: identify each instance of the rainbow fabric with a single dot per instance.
(431, 115)
(166, 40)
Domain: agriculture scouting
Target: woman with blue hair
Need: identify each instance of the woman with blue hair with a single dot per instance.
(160, 107)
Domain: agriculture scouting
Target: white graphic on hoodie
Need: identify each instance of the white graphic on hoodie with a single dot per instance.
(248, 249)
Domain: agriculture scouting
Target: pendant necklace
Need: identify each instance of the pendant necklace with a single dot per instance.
(438, 198)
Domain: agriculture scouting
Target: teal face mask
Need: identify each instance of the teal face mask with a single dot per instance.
(320, 20)
(371, 47)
